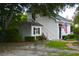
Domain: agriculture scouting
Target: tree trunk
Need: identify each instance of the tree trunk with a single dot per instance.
(10, 18)
(33, 16)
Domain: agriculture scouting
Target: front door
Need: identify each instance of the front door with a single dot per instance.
(60, 31)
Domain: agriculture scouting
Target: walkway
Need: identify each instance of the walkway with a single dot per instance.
(70, 45)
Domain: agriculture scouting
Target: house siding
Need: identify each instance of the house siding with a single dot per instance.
(50, 27)
(25, 30)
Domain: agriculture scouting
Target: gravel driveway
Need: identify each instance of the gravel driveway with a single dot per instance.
(29, 49)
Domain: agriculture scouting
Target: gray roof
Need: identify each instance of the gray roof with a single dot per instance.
(58, 17)
(32, 24)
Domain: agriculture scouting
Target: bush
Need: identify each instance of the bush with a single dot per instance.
(1, 36)
(29, 39)
(12, 35)
(65, 37)
(69, 37)
(42, 37)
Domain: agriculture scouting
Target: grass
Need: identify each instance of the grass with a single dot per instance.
(72, 54)
(76, 43)
(63, 54)
(57, 44)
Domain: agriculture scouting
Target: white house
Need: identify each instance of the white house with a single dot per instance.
(52, 28)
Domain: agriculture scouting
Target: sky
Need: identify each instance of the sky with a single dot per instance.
(68, 13)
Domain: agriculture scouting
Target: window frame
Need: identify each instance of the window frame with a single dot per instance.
(36, 34)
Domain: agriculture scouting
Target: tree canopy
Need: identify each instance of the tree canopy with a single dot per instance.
(8, 14)
(47, 9)
(76, 24)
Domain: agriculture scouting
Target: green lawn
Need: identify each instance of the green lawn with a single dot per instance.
(63, 54)
(60, 45)
(57, 44)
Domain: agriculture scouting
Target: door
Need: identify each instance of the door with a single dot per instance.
(60, 25)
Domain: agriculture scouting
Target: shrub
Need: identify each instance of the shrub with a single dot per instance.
(69, 37)
(1, 36)
(29, 39)
(65, 37)
(12, 35)
(42, 37)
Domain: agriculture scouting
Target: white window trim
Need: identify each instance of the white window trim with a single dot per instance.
(32, 27)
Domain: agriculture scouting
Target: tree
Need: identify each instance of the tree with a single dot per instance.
(17, 20)
(7, 11)
(47, 9)
(76, 25)
(11, 15)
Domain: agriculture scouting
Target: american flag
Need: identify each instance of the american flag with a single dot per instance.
(65, 27)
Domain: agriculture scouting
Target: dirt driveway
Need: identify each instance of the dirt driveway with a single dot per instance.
(30, 49)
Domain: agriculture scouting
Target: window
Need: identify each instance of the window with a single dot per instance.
(36, 31)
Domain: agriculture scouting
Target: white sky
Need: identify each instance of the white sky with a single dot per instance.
(68, 13)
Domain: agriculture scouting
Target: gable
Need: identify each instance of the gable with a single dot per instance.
(60, 19)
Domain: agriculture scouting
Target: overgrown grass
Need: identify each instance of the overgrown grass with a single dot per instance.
(57, 44)
(72, 54)
(63, 54)
(75, 43)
